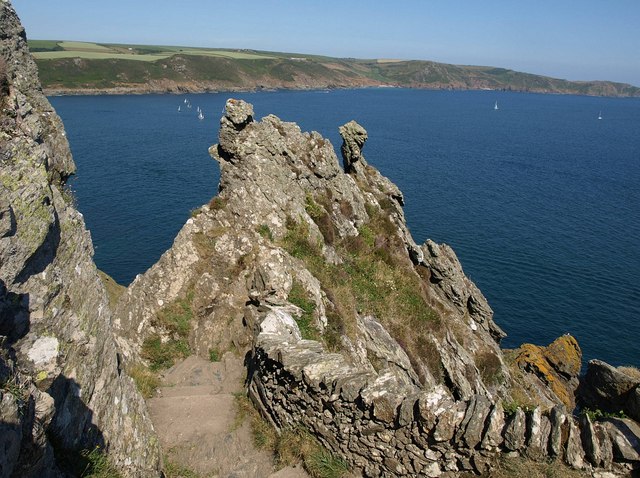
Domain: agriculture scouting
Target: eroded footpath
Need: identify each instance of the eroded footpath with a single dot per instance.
(195, 416)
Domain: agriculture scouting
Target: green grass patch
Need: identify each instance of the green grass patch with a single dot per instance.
(175, 319)
(146, 380)
(44, 45)
(375, 278)
(114, 290)
(297, 445)
(175, 470)
(265, 231)
(95, 55)
(299, 297)
(98, 465)
(291, 446)
(177, 316)
(214, 355)
(597, 414)
(164, 355)
(217, 203)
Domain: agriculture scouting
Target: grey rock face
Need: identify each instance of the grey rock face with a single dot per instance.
(62, 379)
(608, 389)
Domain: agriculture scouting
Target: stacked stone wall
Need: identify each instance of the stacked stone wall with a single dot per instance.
(384, 430)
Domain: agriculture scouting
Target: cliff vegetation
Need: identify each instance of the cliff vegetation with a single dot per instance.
(80, 67)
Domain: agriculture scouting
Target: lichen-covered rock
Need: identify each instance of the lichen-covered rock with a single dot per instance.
(574, 453)
(553, 370)
(63, 388)
(557, 418)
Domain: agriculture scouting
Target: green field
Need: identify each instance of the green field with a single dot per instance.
(71, 66)
(55, 50)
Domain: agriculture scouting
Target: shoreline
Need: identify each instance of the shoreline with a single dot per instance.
(181, 89)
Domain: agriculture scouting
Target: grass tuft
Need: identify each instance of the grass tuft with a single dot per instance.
(163, 355)
(299, 297)
(265, 231)
(214, 355)
(97, 465)
(147, 382)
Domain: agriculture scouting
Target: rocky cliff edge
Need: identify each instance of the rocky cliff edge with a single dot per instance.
(307, 269)
(63, 391)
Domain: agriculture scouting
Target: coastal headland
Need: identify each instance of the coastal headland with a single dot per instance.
(67, 67)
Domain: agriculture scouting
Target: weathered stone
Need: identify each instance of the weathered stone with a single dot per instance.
(353, 138)
(476, 424)
(557, 420)
(590, 441)
(384, 350)
(625, 438)
(447, 274)
(633, 403)
(279, 322)
(606, 388)
(604, 443)
(54, 309)
(539, 428)
(493, 437)
(448, 421)
(574, 454)
(556, 368)
(432, 404)
(406, 411)
(514, 432)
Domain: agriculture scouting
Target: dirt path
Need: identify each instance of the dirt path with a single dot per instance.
(195, 418)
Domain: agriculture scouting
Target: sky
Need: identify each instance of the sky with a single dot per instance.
(570, 39)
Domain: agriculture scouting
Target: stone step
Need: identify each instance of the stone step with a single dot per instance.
(185, 419)
(188, 391)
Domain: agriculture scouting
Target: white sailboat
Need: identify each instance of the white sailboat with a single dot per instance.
(495, 107)
(600, 115)
(200, 115)
(178, 109)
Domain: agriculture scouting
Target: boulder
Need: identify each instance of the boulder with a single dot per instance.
(608, 389)
(625, 438)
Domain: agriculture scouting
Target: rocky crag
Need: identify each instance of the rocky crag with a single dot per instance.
(380, 347)
(65, 398)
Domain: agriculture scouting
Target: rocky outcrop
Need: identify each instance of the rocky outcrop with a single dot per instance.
(610, 389)
(63, 388)
(284, 205)
(382, 348)
(552, 371)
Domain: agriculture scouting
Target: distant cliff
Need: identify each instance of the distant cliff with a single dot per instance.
(174, 70)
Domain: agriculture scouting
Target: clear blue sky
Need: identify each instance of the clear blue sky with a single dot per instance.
(572, 39)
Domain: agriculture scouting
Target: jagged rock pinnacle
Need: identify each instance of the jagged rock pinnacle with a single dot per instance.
(353, 138)
(239, 112)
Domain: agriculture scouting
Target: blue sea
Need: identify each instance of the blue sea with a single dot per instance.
(539, 198)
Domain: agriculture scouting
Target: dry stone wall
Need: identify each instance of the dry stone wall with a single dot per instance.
(385, 427)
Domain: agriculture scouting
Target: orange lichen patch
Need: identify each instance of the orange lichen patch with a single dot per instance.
(564, 355)
(556, 365)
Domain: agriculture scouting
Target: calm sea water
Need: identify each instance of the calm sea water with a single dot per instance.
(540, 199)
